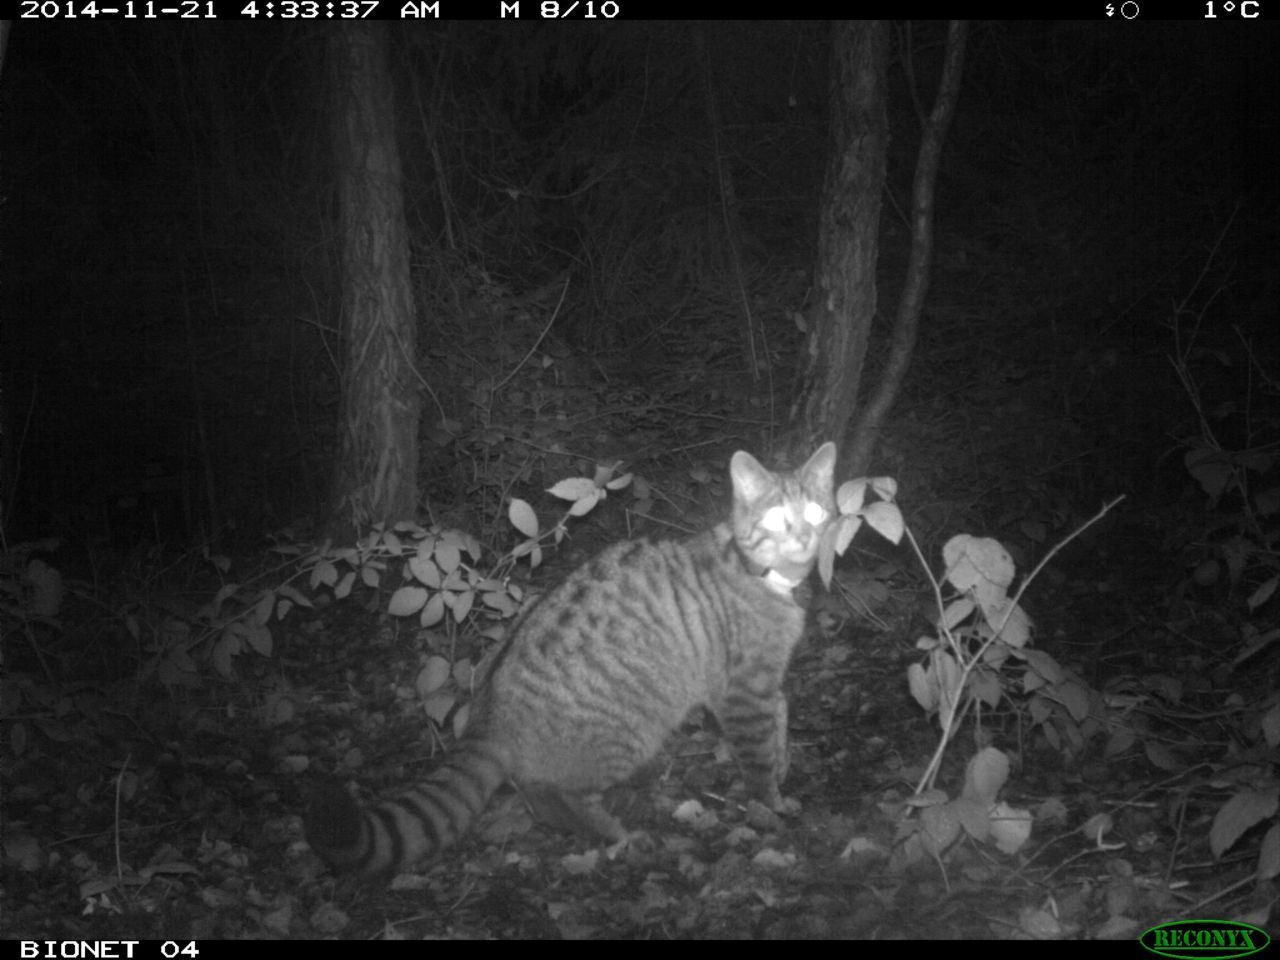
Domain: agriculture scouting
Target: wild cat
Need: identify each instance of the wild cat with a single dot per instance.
(600, 670)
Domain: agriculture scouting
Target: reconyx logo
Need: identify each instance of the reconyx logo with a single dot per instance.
(1204, 939)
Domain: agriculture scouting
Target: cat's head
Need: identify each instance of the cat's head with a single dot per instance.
(778, 518)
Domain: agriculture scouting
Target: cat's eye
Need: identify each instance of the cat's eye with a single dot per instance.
(774, 519)
(814, 514)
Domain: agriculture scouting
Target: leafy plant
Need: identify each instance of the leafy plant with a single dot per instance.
(1229, 450)
(980, 657)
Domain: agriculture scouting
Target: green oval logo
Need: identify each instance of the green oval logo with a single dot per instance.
(1204, 939)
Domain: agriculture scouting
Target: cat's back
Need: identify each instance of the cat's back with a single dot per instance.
(639, 597)
(644, 623)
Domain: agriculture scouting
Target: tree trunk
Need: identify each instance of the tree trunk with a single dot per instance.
(375, 477)
(906, 323)
(844, 296)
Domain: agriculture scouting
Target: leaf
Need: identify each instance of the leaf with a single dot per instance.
(1245, 810)
(974, 562)
(407, 601)
(922, 687)
(886, 520)
(620, 483)
(459, 538)
(1040, 708)
(996, 655)
(1210, 469)
(523, 518)
(851, 495)
(927, 798)
(985, 775)
(1010, 827)
(886, 488)
(985, 686)
(448, 557)
(974, 815)
(425, 571)
(587, 503)
(462, 606)
(1044, 665)
(259, 637)
(1164, 758)
(323, 573)
(1097, 827)
(437, 706)
(941, 827)
(826, 560)
(460, 718)
(1263, 593)
(1255, 644)
(342, 589)
(294, 594)
(433, 612)
(1207, 573)
(224, 650)
(262, 608)
(603, 472)
(1121, 739)
(845, 529)
(1014, 624)
(1075, 698)
(574, 489)
(500, 601)
(956, 612)
(434, 674)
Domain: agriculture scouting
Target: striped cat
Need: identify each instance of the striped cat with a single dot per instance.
(602, 668)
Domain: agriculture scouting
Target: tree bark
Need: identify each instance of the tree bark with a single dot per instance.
(375, 476)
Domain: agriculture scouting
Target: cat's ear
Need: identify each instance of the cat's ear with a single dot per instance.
(751, 481)
(820, 469)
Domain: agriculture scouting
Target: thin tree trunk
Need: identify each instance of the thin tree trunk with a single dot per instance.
(844, 300)
(914, 289)
(375, 475)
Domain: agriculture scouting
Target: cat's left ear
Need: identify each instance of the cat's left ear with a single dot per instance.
(751, 481)
(821, 467)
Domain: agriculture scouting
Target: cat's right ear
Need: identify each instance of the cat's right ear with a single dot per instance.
(751, 481)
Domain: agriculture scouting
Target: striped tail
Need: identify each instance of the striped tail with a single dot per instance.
(391, 835)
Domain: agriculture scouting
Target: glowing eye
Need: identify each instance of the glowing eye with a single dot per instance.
(814, 514)
(774, 520)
